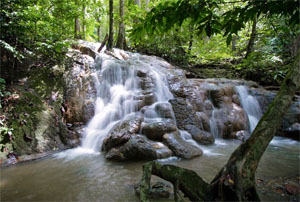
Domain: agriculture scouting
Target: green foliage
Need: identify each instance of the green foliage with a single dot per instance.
(211, 49)
(12, 50)
(264, 68)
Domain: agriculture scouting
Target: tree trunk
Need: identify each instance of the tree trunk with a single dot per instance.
(77, 29)
(111, 26)
(252, 38)
(193, 186)
(83, 21)
(121, 35)
(236, 180)
(191, 38)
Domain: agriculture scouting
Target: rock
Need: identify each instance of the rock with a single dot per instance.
(200, 136)
(236, 99)
(292, 116)
(293, 131)
(164, 110)
(146, 83)
(179, 147)
(157, 190)
(238, 118)
(184, 113)
(292, 189)
(139, 148)
(187, 119)
(204, 120)
(122, 132)
(141, 73)
(149, 98)
(241, 135)
(156, 130)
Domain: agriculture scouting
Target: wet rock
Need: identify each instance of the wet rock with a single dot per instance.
(146, 83)
(139, 148)
(157, 190)
(141, 73)
(187, 119)
(238, 118)
(177, 87)
(236, 99)
(156, 130)
(80, 92)
(164, 110)
(204, 120)
(179, 147)
(122, 133)
(292, 189)
(183, 112)
(293, 131)
(149, 98)
(208, 107)
(200, 136)
(241, 135)
(291, 117)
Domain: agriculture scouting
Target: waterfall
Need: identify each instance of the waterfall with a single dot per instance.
(250, 105)
(117, 86)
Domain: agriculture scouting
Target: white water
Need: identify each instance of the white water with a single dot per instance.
(117, 86)
(250, 105)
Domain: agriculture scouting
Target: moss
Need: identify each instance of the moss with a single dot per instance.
(34, 108)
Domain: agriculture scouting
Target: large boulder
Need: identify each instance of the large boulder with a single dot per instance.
(164, 110)
(187, 119)
(156, 130)
(200, 136)
(139, 148)
(122, 132)
(180, 147)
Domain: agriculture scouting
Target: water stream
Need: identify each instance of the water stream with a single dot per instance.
(250, 105)
(92, 178)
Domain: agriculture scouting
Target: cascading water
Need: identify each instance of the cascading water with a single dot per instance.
(250, 105)
(117, 86)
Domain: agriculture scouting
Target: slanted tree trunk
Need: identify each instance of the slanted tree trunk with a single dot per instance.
(252, 38)
(111, 26)
(121, 35)
(236, 180)
(77, 29)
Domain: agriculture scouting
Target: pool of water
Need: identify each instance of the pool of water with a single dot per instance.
(90, 177)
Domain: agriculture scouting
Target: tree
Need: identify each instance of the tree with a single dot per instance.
(77, 29)
(111, 26)
(121, 36)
